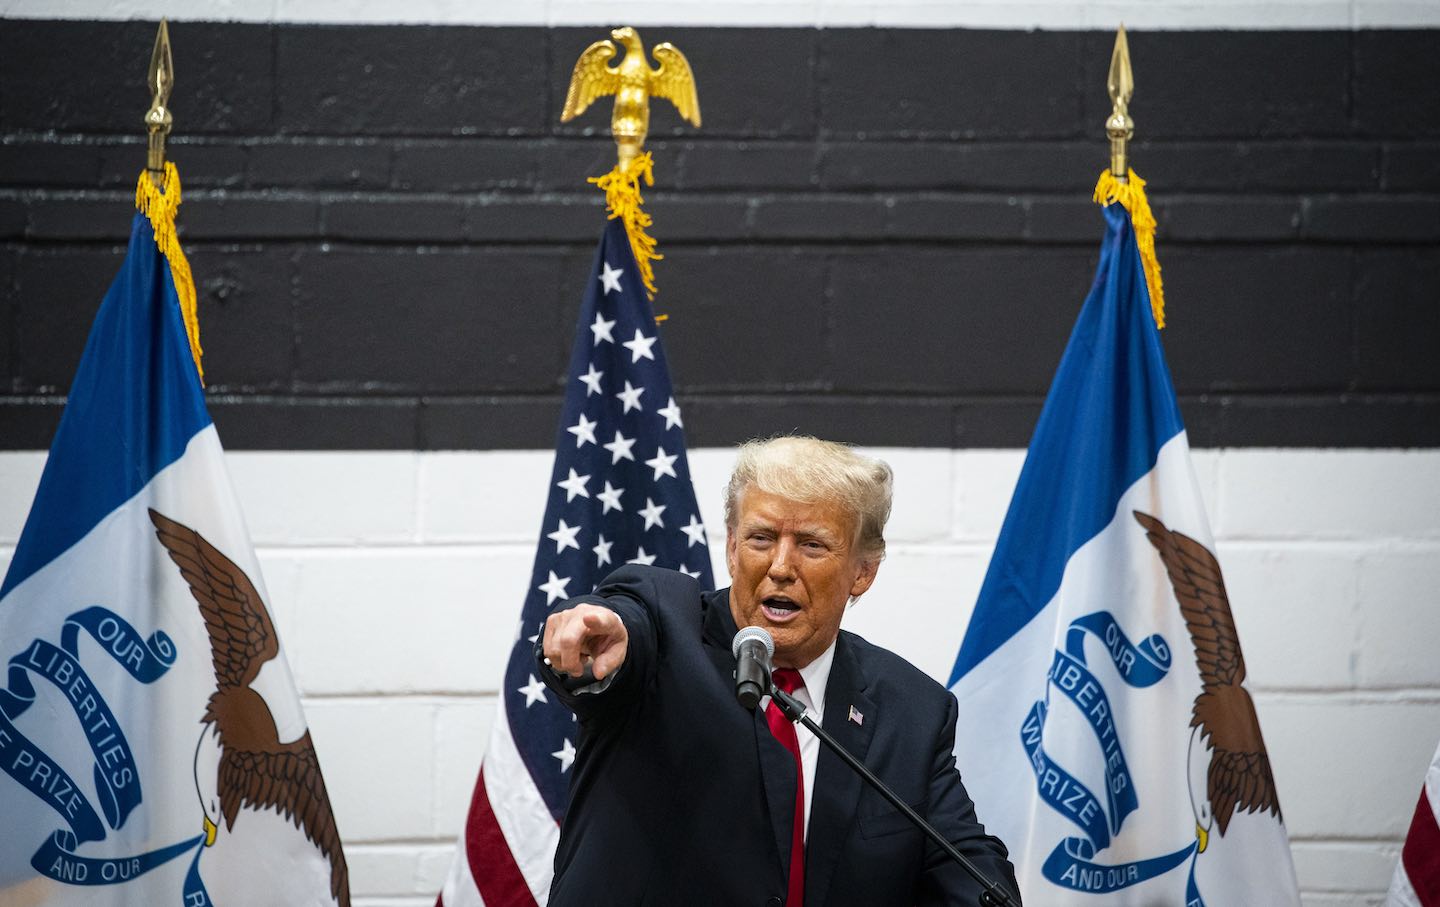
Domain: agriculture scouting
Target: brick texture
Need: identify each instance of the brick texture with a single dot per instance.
(881, 233)
(395, 578)
(1304, 90)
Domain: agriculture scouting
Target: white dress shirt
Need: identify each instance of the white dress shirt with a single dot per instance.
(816, 675)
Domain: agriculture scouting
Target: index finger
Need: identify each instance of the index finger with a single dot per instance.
(601, 621)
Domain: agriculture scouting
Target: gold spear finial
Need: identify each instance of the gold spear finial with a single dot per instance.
(1120, 128)
(633, 82)
(158, 119)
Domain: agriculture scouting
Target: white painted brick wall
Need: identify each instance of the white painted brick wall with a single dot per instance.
(1386, 494)
(396, 580)
(379, 758)
(1277, 589)
(372, 499)
(408, 619)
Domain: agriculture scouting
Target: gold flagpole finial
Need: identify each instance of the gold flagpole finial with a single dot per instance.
(1120, 185)
(157, 191)
(1119, 127)
(158, 119)
(633, 82)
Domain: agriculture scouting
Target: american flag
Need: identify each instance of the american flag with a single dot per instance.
(1416, 882)
(620, 493)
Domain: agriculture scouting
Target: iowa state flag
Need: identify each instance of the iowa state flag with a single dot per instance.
(1108, 736)
(152, 747)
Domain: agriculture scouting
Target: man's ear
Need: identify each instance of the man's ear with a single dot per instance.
(866, 576)
(730, 550)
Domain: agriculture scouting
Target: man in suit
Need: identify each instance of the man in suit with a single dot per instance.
(681, 796)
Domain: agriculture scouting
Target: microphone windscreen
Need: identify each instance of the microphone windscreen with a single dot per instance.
(749, 633)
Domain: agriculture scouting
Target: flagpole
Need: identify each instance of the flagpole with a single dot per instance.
(160, 80)
(1119, 127)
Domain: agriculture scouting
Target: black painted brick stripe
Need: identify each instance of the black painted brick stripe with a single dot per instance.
(899, 250)
(407, 218)
(706, 164)
(768, 83)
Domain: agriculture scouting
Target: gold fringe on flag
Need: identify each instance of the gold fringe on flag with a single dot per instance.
(1131, 195)
(622, 200)
(159, 206)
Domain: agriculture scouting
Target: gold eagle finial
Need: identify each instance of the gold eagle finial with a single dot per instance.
(633, 82)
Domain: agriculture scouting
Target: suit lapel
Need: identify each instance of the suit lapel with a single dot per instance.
(777, 767)
(837, 787)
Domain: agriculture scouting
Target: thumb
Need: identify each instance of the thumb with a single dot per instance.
(608, 660)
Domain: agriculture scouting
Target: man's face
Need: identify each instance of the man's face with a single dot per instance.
(793, 568)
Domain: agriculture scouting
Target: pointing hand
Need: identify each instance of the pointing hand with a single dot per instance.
(585, 636)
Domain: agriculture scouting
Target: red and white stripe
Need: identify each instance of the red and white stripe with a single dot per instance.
(1417, 878)
(506, 855)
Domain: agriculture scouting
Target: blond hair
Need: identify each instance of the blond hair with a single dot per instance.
(810, 470)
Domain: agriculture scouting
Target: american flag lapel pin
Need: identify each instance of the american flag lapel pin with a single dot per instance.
(855, 716)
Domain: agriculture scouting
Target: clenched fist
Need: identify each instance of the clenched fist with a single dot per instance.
(585, 636)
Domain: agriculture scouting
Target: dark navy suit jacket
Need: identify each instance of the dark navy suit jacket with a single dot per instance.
(681, 798)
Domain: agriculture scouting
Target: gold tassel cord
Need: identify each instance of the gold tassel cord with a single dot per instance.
(1131, 195)
(159, 204)
(623, 200)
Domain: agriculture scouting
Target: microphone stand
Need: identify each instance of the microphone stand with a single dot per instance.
(991, 895)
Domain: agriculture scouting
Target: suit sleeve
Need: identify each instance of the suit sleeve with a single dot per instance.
(632, 593)
(953, 813)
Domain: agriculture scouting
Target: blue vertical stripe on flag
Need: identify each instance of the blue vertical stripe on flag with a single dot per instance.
(1110, 410)
(134, 648)
(137, 379)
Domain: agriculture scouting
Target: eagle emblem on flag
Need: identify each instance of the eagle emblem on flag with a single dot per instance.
(241, 759)
(1226, 748)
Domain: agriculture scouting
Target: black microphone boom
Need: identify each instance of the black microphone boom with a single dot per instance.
(992, 893)
(752, 649)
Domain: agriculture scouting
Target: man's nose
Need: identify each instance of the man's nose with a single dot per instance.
(782, 561)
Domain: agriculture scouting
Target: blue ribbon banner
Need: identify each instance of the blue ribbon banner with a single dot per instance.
(1074, 679)
(195, 893)
(145, 659)
(1141, 665)
(117, 779)
(57, 859)
(1059, 788)
(1071, 865)
(1192, 894)
(39, 774)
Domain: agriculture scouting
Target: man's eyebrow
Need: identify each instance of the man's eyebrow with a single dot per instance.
(818, 531)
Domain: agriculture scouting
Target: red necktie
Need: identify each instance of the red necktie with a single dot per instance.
(789, 680)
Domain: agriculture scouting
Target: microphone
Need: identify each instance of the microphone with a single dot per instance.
(752, 649)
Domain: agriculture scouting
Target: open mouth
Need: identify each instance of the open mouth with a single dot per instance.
(779, 609)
